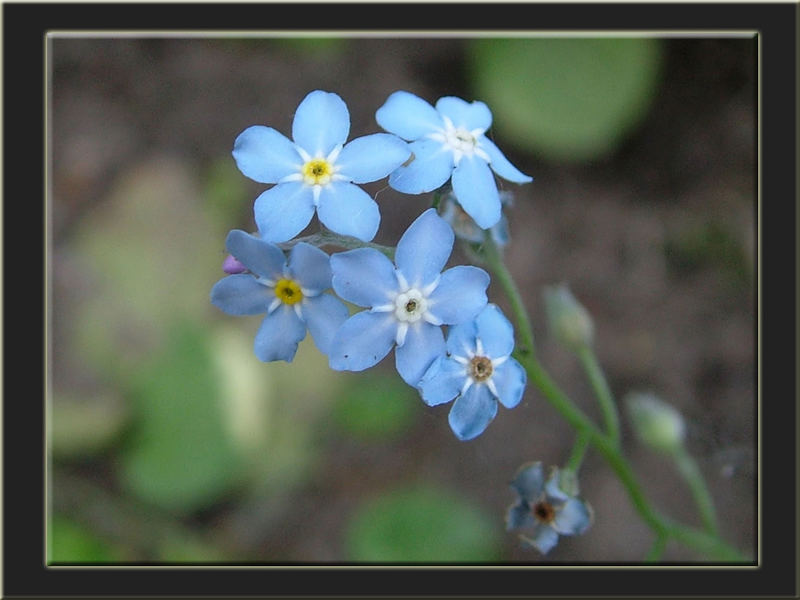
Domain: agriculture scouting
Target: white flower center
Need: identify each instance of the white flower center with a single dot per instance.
(410, 306)
(459, 140)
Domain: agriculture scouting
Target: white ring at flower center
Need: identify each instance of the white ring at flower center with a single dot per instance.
(410, 306)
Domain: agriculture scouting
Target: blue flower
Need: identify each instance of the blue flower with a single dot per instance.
(545, 507)
(465, 226)
(477, 371)
(407, 304)
(290, 293)
(316, 171)
(449, 140)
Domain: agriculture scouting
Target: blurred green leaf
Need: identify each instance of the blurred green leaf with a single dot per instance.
(180, 456)
(376, 407)
(422, 524)
(148, 254)
(568, 99)
(320, 46)
(69, 542)
(272, 410)
(226, 190)
(82, 426)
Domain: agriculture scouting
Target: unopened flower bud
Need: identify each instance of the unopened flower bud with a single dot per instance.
(568, 319)
(232, 266)
(655, 422)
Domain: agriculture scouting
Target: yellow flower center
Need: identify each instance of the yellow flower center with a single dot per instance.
(317, 172)
(288, 291)
(480, 368)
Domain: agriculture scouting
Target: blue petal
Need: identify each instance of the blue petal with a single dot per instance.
(469, 115)
(476, 191)
(509, 379)
(500, 163)
(372, 157)
(573, 519)
(348, 210)
(424, 248)
(362, 341)
(495, 332)
(442, 381)
(544, 539)
(472, 412)
(364, 277)
(555, 495)
(321, 123)
(529, 481)
(518, 516)
(323, 314)
(279, 334)
(284, 211)
(262, 258)
(265, 155)
(424, 343)
(460, 295)
(408, 116)
(311, 267)
(461, 339)
(241, 295)
(430, 168)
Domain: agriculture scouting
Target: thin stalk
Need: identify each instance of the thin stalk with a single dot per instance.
(697, 485)
(327, 238)
(701, 541)
(599, 384)
(578, 452)
(659, 545)
(494, 261)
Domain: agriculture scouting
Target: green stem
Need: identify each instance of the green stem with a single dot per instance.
(494, 260)
(599, 384)
(694, 478)
(659, 544)
(702, 541)
(327, 238)
(578, 452)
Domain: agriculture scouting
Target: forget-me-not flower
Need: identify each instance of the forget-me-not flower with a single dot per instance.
(291, 293)
(449, 141)
(407, 303)
(478, 371)
(317, 171)
(545, 508)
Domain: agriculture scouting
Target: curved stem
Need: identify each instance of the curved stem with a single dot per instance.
(607, 446)
(327, 238)
(702, 498)
(601, 390)
(578, 452)
(659, 544)
(494, 261)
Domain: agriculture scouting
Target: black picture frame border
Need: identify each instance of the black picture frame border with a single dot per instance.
(24, 574)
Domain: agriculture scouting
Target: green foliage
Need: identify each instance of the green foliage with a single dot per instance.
(69, 542)
(422, 524)
(85, 426)
(566, 99)
(147, 255)
(180, 456)
(376, 407)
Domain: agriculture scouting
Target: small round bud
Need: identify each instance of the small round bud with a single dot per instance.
(232, 266)
(655, 422)
(568, 319)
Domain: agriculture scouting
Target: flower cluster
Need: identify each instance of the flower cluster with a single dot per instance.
(406, 301)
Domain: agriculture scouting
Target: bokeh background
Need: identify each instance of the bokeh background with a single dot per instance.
(169, 442)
